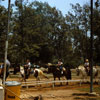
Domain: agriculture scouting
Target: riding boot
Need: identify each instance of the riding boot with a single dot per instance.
(61, 72)
(87, 71)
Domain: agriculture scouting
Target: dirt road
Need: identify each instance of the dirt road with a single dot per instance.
(70, 92)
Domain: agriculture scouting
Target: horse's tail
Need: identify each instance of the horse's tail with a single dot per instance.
(45, 76)
(40, 72)
(68, 73)
(96, 73)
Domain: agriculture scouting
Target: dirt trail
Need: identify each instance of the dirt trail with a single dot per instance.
(64, 92)
(58, 93)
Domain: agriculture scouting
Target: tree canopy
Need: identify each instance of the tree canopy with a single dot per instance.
(42, 34)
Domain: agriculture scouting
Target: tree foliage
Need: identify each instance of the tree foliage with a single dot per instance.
(42, 34)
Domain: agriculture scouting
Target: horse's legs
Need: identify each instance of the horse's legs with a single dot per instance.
(23, 78)
(7, 74)
(38, 79)
(98, 80)
(59, 80)
(66, 79)
(54, 80)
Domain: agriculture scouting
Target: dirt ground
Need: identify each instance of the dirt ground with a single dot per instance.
(69, 92)
(59, 92)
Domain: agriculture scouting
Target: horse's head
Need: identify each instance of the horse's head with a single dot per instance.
(52, 68)
(49, 66)
(79, 69)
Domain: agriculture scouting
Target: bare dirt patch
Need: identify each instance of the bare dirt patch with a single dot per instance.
(47, 92)
(69, 92)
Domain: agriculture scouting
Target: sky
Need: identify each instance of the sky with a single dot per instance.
(62, 5)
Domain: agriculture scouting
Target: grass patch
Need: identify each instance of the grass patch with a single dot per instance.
(95, 89)
(87, 96)
(79, 98)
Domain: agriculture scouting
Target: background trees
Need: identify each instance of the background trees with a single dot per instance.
(3, 30)
(42, 34)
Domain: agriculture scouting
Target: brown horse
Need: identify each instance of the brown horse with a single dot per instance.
(55, 70)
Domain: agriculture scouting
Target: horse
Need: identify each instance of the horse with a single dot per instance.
(55, 70)
(81, 71)
(37, 73)
(16, 67)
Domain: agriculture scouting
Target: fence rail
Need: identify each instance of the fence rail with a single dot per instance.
(33, 83)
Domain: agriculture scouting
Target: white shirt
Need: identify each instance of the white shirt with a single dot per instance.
(60, 63)
(29, 64)
(86, 64)
(8, 62)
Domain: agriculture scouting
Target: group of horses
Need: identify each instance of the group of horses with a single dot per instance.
(56, 72)
(38, 73)
(50, 69)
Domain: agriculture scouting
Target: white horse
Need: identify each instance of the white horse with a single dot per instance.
(37, 73)
(81, 71)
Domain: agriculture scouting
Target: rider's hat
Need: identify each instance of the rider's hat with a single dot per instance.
(87, 60)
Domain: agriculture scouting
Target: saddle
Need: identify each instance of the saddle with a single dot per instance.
(61, 70)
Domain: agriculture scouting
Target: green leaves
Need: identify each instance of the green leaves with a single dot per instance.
(42, 34)
(3, 30)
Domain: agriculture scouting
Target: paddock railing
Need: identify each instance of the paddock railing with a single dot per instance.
(34, 83)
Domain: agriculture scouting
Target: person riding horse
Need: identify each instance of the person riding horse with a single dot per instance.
(27, 68)
(7, 68)
(1, 69)
(86, 65)
(60, 63)
(56, 71)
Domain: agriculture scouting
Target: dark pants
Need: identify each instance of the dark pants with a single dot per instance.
(87, 69)
(7, 71)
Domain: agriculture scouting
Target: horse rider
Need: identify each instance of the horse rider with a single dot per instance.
(1, 66)
(86, 65)
(7, 67)
(60, 63)
(27, 67)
